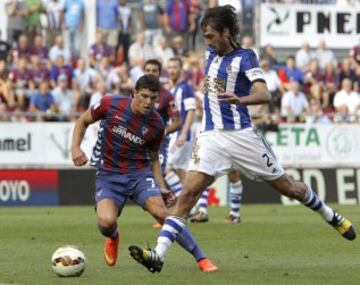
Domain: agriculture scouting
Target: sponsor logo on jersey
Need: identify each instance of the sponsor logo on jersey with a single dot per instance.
(124, 133)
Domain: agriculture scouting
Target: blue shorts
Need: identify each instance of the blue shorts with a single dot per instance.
(137, 186)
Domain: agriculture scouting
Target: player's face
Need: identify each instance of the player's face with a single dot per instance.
(144, 100)
(219, 41)
(152, 69)
(174, 70)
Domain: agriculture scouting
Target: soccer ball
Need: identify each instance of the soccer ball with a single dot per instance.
(68, 261)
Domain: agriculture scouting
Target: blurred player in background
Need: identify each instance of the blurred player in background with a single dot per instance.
(181, 143)
(233, 81)
(126, 155)
(236, 189)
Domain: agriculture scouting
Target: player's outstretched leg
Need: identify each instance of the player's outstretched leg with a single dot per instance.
(174, 229)
(303, 193)
(235, 201)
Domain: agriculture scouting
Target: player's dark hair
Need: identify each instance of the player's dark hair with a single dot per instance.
(148, 81)
(220, 18)
(153, 62)
(178, 59)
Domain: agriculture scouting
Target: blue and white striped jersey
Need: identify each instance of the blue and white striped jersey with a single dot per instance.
(232, 73)
(185, 100)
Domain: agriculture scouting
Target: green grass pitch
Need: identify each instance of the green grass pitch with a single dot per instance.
(273, 245)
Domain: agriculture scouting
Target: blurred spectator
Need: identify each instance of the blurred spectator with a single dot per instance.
(248, 43)
(290, 72)
(58, 49)
(84, 83)
(268, 53)
(355, 53)
(150, 19)
(195, 12)
(195, 74)
(163, 52)
(330, 78)
(60, 68)
(7, 100)
(107, 16)
(126, 28)
(22, 49)
(99, 50)
(294, 104)
(139, 51)
(17, 12)
(21, 81)
(74, 13)
(63, 97)
(119, 80)
(313, 80)
(39, 49)
(346, 102)
(39, 71)
(52, 22)
(346, 71)
(324, 55)
(178, 19)
(4, 49)
(42, 100)
(274, 85)
(315, 114)
(34, 8)
(100, 92)
(303, 57)
(103, 68)
(178, 47)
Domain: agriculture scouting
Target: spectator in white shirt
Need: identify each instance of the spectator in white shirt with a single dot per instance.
(63, 97)
(294, 104)
(59, 49)
(324, 55)
(346, 102)
(303, 57)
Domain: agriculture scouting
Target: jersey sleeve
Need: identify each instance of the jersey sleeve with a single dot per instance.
(189, 98)
(250, 66)
(99, 110)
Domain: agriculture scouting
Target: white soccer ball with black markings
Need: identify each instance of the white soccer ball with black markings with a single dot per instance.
(68, 261)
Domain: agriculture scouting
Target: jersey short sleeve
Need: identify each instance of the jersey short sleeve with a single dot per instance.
(189, 98)
(99, 110)
(250, 66)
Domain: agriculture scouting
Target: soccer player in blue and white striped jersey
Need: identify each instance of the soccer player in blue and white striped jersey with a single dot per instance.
(233, 81)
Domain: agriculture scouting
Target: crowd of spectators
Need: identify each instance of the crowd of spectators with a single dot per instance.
(43, 70)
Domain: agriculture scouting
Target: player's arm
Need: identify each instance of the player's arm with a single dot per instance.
(190, 117)
(156, 169)
(78, 156)
(259, 95)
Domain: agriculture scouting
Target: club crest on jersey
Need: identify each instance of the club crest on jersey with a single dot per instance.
(144, 130)
(229, 68)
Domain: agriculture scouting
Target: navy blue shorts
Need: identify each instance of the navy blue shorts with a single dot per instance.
(137, 186)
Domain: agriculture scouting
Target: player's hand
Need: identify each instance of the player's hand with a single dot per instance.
(168, 196)
(230, 98)
(79, 158)
(181, 140)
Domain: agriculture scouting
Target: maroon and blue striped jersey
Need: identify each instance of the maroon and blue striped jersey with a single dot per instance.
(125, 139)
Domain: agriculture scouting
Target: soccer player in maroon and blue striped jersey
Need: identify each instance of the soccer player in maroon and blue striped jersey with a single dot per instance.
(127, 158)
